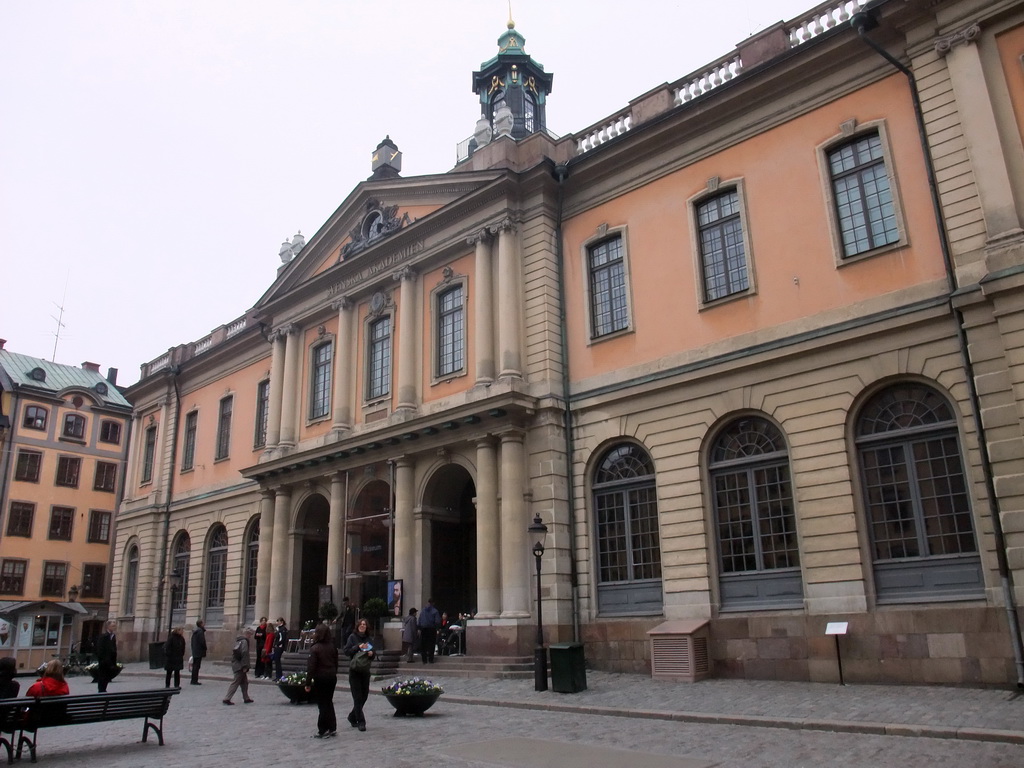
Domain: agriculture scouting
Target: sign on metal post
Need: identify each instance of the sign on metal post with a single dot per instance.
(837, 628)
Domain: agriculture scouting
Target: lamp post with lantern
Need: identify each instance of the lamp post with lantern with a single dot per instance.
(174, 582)
(538, 531)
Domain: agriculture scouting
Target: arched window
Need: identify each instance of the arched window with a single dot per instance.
(626, 529)
(755, 524)
(497, 102)
(180, 561)
(529, 113)
(216, 575)
(917, 506)
(131, 581)
(252, 555)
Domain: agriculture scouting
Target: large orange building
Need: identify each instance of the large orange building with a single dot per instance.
(64, 432)
(750, 348)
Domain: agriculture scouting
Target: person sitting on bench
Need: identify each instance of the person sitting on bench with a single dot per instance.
(52, 683)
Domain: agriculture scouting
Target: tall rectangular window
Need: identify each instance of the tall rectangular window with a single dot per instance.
(106, 476)
(19, 519)
(54, 578)
(723, 259)
(451, 332)
(27, 467)
(863, 197)
(68, 469)
(188, 450)
(61, 521)
(94, 577)
(262, 413)
(148, 455)
(224, 429)
(379, 363)
(131, 581)
(99, 526)
(609, 311)
(320, 380)
(74, 426)
(12, 577)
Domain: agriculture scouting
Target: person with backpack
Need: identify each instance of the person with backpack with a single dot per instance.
(240, 667)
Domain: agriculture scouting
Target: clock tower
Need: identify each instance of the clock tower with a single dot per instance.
(513, 88)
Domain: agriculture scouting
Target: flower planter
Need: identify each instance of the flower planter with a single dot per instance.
(297, 694)
(95, 672)
(411, 703)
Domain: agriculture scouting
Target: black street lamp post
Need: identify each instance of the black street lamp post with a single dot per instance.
(538, 531)
(173, 581)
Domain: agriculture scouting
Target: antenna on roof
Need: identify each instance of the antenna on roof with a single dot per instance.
(60, 318)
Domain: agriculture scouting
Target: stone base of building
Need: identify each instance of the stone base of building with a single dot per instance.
(954, 645)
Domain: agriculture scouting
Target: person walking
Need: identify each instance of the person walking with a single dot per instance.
(260, 639)
(429, 622)
(280, 643)
(322, 679)
(409, 634)
(360, 653)
(174, 657)
(240, 667)
(106, 657)
(198, 649)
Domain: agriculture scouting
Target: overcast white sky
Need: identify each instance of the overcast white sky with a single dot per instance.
(155, 153)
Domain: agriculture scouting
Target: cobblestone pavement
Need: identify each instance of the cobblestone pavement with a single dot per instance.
(626, 720)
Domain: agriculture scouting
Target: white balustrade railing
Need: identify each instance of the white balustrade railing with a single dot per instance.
(202, 345)
(822, 19)
(606, 130)
(159, 364)
(236, 327)
(722, 71)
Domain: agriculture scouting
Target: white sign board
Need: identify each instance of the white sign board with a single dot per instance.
(836, 627)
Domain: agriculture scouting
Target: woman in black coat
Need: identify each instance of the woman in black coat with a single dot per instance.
(322, 670)
(359, 680)
(174, 657)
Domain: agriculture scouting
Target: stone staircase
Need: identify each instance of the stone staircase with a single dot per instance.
(391, 664)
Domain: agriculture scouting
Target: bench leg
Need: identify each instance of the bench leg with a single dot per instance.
(23, 740)
(158, 730)
(6, 744)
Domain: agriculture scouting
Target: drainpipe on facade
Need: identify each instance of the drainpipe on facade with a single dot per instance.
(174, 371)
(562, 173)
(862, 22)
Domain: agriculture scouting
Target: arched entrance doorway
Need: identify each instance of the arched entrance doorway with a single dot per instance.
(311, 531)
(369, 544)
(448, 500)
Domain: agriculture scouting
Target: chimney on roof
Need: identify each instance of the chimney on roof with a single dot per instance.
(2, 342)
(112, 376)
(94, 367)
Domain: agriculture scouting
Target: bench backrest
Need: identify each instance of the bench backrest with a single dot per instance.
(97, 707)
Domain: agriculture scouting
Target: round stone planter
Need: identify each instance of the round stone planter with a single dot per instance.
(296, 694)
(415, 704)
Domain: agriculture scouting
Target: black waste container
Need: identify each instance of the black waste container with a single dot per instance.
(156, 656)
(568, 668)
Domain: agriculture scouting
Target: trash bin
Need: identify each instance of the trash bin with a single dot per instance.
(568, 668)
(156, 656)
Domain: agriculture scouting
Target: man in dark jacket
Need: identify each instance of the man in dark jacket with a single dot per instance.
(106, 657)
(429, 622)
(240, 667)
(198, 649)
(259, 641)
(280, 643)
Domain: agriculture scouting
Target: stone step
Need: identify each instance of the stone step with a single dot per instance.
(391, 664)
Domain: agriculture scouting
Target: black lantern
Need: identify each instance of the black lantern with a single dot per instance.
(174, 582)
(538, 532)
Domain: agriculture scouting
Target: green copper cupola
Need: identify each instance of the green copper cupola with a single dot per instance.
(513, 88)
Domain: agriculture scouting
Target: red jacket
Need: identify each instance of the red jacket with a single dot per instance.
(48, 686)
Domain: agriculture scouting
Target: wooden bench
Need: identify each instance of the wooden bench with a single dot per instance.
(24, 717)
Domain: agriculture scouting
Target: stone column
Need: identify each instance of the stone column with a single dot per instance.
(488, 532)
(405, 534)
(276, 385)
(336, 535)
(483, 309)
(280, 576)
(290, 387)
(515, 578)
(344, 365)
(408, 338)
(510, 312)
(980, 128)
(264, 564)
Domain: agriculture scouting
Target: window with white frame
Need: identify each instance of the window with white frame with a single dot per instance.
(216, 574)
(606, 269)
(917, 502)
(755, 520)
(862, 196)
(188, 448)
(223, 448)
(451, 330)
(379, 359)
(320, 380)
(627, 526)
(723, 257)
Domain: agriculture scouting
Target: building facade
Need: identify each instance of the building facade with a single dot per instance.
(750, 349)
(65, 434)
